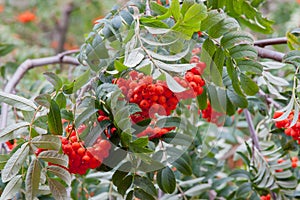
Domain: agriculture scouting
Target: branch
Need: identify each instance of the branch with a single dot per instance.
(267, 53)
(271, 41)
(251, 129)
(148, 10)
(30, 64)
(63, 26)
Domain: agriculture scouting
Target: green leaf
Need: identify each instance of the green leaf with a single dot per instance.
(54, 119)
(223, 27)
(145, 184)
(166, 180)
(240, 173)
(159, 9)
(175, 9)
(212, 19)
(6, 49)
(172, 84)
(126, 183)
(155, 22)
(177, 139)
(237, 100)
(183, 164)
(32, 180)
(3, 160)
(119, 66)
(54, 80)
(170, 58)
(17, 101)
(197, 190)
(85, 115)
(141, 194)
(243, 51)
(244, 189)
(134, 57)
(43, 100)
(92, 136)
(12, 188)
(61, 100)
(168, 122)
(50, 142)
(58, 190)
(250, 66)
(54, 157)
(61, 173)
(232, 39)
(15, 163)
(208, 50)
(81, 80)
(68, 88)
(118, 177)
(8, 132)
(126, 16)
(178, 68)
(140, 145)
(248, 85)
(195, 14)
(202, 100)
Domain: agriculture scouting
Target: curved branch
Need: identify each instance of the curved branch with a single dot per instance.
(271, 41)
(267, 53)
(30, 64)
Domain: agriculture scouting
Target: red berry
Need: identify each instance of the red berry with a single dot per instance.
(86, 158)
(294, 159)
(294, 164)
(144, 104)
(75, 146)
(81, 151)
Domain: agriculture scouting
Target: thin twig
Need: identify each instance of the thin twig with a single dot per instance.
(270, 41)
(269, 99)
(23, 68)
(252, 129)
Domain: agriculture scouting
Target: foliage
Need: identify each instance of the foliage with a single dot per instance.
(202, 148)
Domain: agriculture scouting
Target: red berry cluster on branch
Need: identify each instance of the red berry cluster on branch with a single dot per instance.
(211, 115)
(266, 197)
(293, 131)
(154, 96)
(81, 158)
(154, 132)
(151, 96)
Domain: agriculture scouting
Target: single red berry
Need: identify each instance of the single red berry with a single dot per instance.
(294, 159)
(81, 151)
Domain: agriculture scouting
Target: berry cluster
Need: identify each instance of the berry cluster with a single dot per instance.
(266, 197)
(111, 129)
(211, 115)
(152, 97)
(154, 132)
(81, 158)
(294, 162)
(293, 131)
(192, 80)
